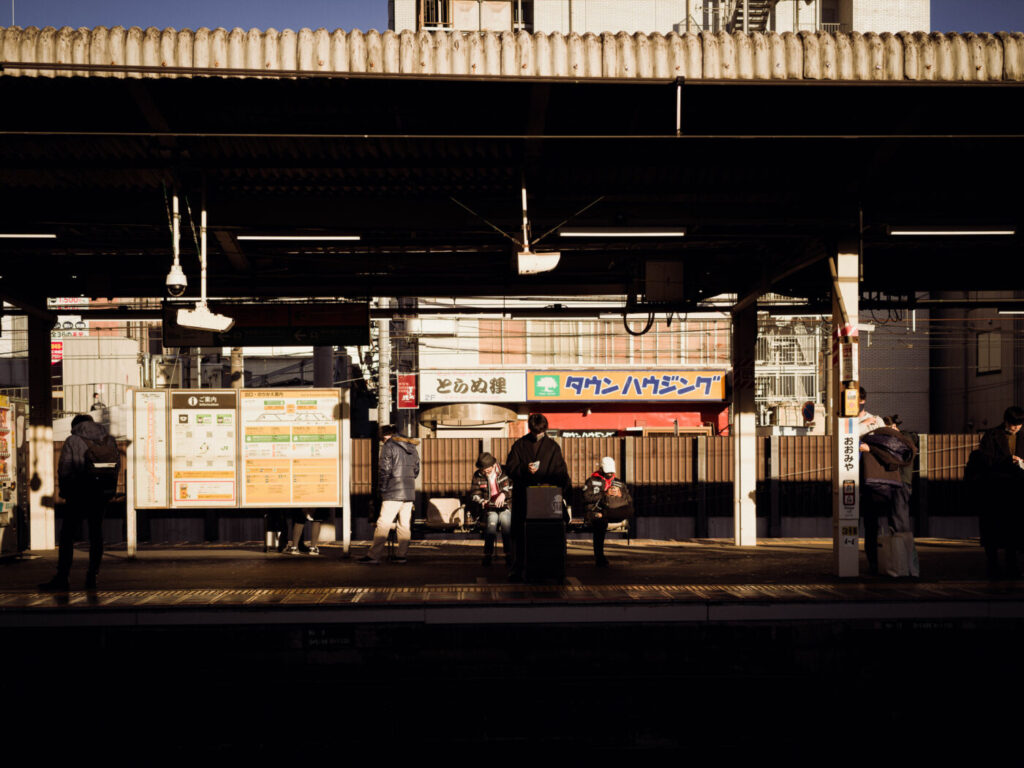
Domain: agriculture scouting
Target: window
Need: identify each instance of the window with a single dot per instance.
(990, 352)
(502, 342)
(553, 342)
(435, 14)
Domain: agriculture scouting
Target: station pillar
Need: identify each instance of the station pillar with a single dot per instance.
(845, 362)
(744, 422)
(42, 527)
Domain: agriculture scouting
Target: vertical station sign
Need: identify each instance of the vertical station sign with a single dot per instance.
(149, 448)
(291, 447)
(8, 475)
(203, 448)
(407, 391)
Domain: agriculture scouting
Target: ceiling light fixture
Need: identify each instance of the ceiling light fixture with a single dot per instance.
(200, 318)
(28, 236)
(950, 231)
(530, 262)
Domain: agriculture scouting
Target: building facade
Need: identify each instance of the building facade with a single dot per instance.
(977, 362)
(663, 16)
(589, 376)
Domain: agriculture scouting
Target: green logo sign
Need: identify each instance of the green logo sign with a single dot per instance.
(545, 385)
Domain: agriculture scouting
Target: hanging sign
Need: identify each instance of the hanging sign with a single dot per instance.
(407, 391)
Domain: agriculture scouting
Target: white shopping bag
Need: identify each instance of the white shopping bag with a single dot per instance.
(897, 555)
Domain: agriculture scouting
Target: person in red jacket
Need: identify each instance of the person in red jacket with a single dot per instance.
(492, 498)
(606, 500)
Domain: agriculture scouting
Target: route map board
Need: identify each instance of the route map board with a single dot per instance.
(290, 447)
(150, 449)
(204, 439)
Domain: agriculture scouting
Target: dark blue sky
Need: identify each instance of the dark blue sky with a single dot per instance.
(947, 15)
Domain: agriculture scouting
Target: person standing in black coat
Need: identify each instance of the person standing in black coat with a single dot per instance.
(884, 453)
(534, 459)
(1002, 485)
(396, 475)
(87, 474)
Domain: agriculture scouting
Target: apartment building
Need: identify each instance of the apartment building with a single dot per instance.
(664, 16)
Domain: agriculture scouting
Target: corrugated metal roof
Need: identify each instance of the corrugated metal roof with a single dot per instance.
(761, 172)
(914, 56)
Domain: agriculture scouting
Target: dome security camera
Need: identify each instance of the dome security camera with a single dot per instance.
(176, 281)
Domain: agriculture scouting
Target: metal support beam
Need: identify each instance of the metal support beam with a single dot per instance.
(744, 440)
(845, 268)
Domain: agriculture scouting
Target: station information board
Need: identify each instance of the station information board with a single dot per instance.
(290, 447)
(149, 446)
(204, 427)
(236, 448)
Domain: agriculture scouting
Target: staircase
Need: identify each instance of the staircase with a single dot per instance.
(758, 13)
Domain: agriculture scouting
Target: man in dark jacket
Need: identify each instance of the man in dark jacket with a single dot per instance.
(606, 500)
(396, 475)
(1002, 482)
(884, 452)
(533, 460)
(87, 490)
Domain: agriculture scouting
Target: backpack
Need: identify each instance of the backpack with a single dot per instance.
(618, 508)
(102, 462)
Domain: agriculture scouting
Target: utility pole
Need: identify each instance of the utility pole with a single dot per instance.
(237, 368)
(384, 372)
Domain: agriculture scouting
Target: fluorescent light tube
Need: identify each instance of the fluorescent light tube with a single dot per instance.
(298, 237)
(622, 232)
(947, 232)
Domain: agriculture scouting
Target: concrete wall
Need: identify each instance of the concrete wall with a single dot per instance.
(402, 14)
(895, 364)
(857, 15)
(891, 15)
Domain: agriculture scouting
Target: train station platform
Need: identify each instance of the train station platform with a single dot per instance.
(444, 581)
(698, 649)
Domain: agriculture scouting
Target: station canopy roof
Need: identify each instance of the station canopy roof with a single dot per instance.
(766, 178)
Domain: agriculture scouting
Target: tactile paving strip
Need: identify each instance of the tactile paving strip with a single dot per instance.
(510, 594)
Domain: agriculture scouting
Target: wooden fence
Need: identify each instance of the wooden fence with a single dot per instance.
(669, 477)
(692, 476)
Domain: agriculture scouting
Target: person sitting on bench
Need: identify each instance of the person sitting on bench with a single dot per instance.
(492, 498)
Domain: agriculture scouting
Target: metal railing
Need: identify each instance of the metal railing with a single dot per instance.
(436, 14)
(834, 28)
(73, 399)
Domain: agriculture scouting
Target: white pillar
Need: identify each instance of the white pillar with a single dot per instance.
(846, 386)
(744, 440)
(346, 468)
(42, 495)
(131, 517)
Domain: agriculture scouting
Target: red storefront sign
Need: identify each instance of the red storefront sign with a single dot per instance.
(56, 352)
